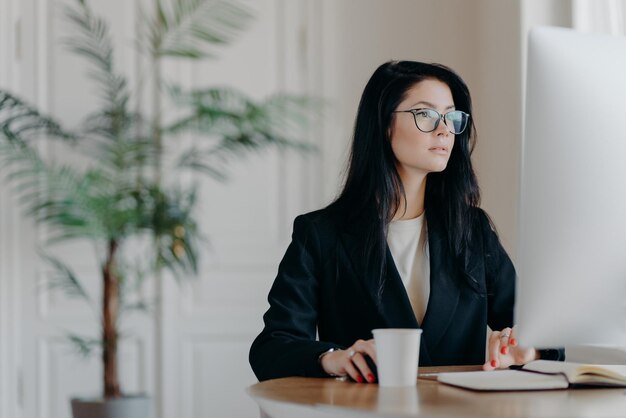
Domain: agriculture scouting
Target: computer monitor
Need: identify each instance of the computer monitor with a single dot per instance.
(572, 255)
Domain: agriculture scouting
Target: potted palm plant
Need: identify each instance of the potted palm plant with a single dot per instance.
(110, 187)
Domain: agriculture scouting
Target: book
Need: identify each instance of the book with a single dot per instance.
(539, 375)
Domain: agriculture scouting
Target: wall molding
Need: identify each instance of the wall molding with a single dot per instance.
(195, 351)
(11, 382)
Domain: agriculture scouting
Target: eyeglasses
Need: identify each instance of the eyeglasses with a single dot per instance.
(427, 120)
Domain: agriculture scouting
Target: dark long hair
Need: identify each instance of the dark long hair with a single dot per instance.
(373, 189)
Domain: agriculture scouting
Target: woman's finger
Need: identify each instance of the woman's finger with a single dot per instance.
(504, 340)
(494, 348)
(359, 361)
(523, 355)
(368, 347)
(512, 339)
(351, 370)
(503, 350)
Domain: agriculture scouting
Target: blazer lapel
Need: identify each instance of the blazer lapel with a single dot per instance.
(395, 308)
(354, 247)
(444, 291)
(396, 305)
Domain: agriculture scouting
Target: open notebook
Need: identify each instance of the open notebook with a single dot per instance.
(540, 375)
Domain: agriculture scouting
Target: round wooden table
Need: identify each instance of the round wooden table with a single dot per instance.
(300, 397)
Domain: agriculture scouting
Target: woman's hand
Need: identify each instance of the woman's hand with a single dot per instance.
(351, 361)
(504, 352)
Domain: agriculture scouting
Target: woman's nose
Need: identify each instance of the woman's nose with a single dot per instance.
(442, 128)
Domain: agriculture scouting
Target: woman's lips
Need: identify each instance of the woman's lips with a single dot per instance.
(439, 150)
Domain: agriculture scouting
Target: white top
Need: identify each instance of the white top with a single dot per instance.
(408, 243)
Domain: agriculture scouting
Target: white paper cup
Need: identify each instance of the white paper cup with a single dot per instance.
(397, 353)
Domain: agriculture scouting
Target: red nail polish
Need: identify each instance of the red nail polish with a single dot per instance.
(493, 363)
(504, 350)
(359, 379)
(370, 378)
(513, 341)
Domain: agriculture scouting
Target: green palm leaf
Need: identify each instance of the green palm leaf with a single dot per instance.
(93, 41)
(139, 306)
(63, 278)
(83, 345)
(193, 28)
(174, 225)
(73, 203)
(19, 121)
(233, 125)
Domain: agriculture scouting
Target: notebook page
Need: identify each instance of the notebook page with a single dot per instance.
(503, 380)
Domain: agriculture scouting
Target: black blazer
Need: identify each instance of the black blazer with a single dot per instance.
(323, 285)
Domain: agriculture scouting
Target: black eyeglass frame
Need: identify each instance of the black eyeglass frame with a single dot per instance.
(441, 117)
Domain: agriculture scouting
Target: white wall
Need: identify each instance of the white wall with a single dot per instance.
(479, 39)
(359, 35)
(498, 103)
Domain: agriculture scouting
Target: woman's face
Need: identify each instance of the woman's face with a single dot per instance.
(416, 151)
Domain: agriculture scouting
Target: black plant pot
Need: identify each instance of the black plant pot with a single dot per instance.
(125, 407)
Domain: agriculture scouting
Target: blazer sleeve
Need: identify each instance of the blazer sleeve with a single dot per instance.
(500, 277)
(287, 345)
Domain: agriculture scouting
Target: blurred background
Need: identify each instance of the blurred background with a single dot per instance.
(192, 356)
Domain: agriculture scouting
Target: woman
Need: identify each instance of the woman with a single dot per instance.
(405, 244)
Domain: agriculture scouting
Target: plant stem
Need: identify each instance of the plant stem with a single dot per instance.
(110, 309)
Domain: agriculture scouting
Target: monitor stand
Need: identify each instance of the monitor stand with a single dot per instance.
(596, 354)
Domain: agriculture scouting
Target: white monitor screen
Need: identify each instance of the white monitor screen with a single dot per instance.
(572, 260)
